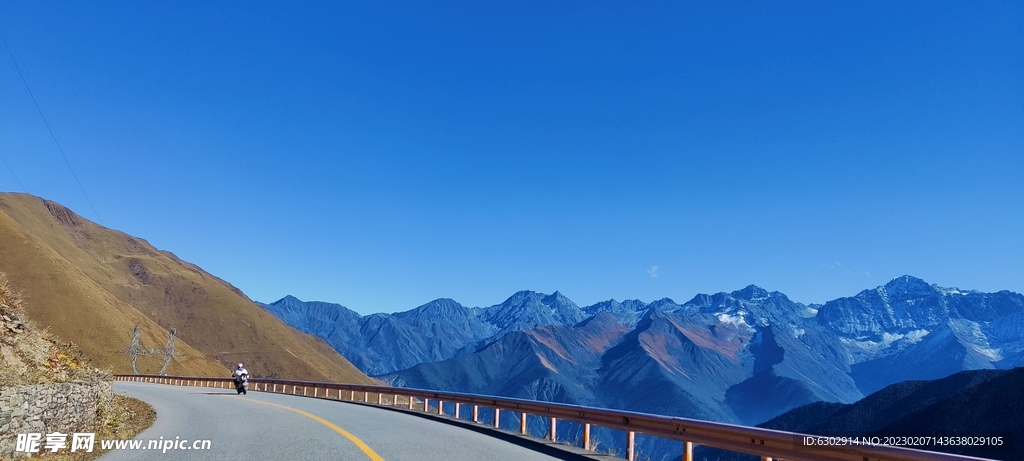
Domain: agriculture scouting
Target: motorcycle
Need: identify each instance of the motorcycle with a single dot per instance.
(242, 383)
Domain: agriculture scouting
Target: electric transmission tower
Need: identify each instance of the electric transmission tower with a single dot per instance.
(136, 349)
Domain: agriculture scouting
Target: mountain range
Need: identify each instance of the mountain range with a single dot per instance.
(740, 357)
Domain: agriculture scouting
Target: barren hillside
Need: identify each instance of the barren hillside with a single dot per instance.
(91, 285)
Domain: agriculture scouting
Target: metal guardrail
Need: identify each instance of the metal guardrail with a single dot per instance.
(768, 444)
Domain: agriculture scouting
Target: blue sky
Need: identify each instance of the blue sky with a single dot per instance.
(383, 155)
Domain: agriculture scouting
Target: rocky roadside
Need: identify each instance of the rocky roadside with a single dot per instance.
(48, 385)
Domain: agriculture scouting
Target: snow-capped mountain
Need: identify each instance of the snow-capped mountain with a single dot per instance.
(908, 329)
(435, 331)
(743, 356)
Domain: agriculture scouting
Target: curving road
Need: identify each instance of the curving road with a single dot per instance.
(274, 426)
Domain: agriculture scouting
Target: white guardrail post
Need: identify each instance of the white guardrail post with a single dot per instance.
(630, 440)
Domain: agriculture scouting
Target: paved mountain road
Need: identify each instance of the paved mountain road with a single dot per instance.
(282, 427)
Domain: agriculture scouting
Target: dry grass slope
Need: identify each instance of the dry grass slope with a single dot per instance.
(91, 285)
(30, 356)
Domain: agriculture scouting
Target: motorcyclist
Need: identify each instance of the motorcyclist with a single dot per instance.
(241, 375)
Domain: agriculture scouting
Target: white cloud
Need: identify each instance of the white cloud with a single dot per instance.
(653, 272)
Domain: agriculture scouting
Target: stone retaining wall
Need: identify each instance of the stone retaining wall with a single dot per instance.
(43, 408)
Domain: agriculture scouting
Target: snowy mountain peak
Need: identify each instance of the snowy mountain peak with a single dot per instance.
(751, 293)
(908, 286)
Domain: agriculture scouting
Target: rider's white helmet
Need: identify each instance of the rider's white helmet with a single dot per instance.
(239, 365)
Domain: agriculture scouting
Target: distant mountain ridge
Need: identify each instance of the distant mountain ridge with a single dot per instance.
(975, 403)
(438, 330)
(744, 356)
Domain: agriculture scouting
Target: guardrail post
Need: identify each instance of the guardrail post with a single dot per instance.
(631, 445)
(497, 417)
(366, 396)
(586, 437)
(457, 405)
(394, 401)
(411, 401)
(380, 398)
(440, 407)
(476, 413)
(551, 436)
(522, 423)
(687, 450)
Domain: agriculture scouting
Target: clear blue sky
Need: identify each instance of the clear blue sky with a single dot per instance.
(381, 154)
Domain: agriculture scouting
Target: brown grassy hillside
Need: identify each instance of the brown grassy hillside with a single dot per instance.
(30, 356)
(90, 285)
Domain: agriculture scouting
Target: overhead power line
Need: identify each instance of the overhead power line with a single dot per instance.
(12, 174)
(52, 136)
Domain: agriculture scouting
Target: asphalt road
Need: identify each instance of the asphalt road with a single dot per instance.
(283, 427)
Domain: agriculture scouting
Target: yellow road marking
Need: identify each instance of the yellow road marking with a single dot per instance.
(359, 443)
